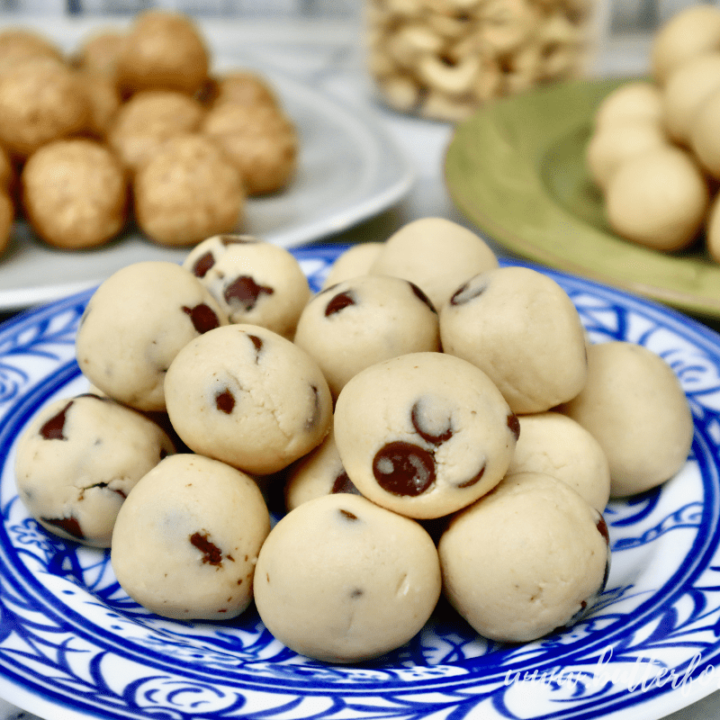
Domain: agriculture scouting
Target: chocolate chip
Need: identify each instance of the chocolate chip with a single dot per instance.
(355, 593)
(245, 292)
(469, 291)
(238, 240)
(53, 428)
(420, 294)
(70, 525)
(343, 484)
(339, 302)
(603, 529)
(314, 417)
(203, 318)
(428, 425)
(225, 401)
(203, 264)
(473, 480)
(258, 343)
(347, 515)
(212, 555)
(404, 469)
(514, 424)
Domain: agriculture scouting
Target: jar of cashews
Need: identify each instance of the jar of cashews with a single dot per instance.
(443, 59)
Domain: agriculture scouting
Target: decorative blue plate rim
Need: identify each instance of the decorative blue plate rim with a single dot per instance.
(72, 642)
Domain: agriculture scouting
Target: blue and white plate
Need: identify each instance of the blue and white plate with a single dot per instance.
(73, 645)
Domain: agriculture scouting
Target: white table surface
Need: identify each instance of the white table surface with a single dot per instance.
(328, 56)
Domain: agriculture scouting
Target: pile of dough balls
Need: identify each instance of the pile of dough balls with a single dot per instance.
(134, 125)
(429, 423)
(654, 150)
(445, 59)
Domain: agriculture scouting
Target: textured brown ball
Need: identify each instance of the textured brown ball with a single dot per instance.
(242, 87)
(99, 53)
(20, 44)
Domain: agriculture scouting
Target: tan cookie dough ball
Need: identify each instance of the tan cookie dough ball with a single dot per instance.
(635, 407)
(79, 459)
(187, 192)
(242, 87)
(135, 324)
(260, 140)
(690, 32)
(362, 321)
(658, 199)
(712, 230)
(255, 282)
(635, 100)
(75, 193)
(424, 434)
(163, 50)
(554, 444)
(527, 559)
(104, 102)
(521, 328)
(249, 397)
(20, 44)
(703, 133)
(40, 101)
(187, 539)
(7, 217)
(342, 580)
(98, 53)
(438, 255)
(147, 120)
(352, 263)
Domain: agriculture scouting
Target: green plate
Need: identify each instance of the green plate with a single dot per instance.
(517, 170)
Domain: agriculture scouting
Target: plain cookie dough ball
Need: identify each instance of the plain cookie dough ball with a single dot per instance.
(521, 328)
(424, 434)
(529, 558)
(7, 218)
(690, 32)
(98, 53)
(260, 140)
(362, 321)
(703, 133)
(255, 282)
(187, 192)
(20, 44)
(635, 407)
(553, 444)
(712, 230)
(342, 580)
(249, 397)
(79, 459)
(104, 103)
(635, 100)
(135, 324)
(75, 193)
(658, 199)
(163, 50)
(242, 87)
(147, 120)
(187, 539)
(437, 255)
(352, 263)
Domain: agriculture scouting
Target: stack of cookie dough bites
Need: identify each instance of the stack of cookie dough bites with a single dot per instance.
(428, 423)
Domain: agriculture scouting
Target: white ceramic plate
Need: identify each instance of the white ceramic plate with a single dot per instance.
(73, 645)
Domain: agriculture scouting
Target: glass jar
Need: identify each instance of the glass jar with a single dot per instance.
(443, 59)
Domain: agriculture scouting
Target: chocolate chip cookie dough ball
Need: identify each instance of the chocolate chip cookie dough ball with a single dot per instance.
(260, 140)
(342, 580)
(521, 328)
(634, 406)
(555, 445)
(40, 101)
(527, 559)
(424, 434)
(187, 539)
(352, 263)
(75, 193)
(255, 282)
(248, 397)
(135, 324)
(362, 321)
(187, 192)
(163, 50)
(79, 459)
(437, 255)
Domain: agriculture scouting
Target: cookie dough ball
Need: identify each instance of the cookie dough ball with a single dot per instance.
(529, 558)
(41, 101)
(521, 328)
(242, 87)
(7, 217)
(437, 255)
(424, 434)
(135, 324)
(20, 44)
(255, 282)
(363, 321)
(79, 459)
(658, 199)
(187, 192)
(260, 140)
(147, 120)
(635, 407)
(104, 103)
(352, 263)
(553, 444)
(98, 53)
(712, 230)
(342, 580)
(75, 193)
(690, 32)
(318, 473)
(249, 397)
(163, 50)
(703, 136)
(636, 100)
(187, 539)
